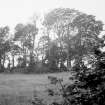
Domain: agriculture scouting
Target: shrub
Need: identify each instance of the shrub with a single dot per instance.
(88, 87)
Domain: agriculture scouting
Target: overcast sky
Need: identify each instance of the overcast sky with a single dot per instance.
(20, 11)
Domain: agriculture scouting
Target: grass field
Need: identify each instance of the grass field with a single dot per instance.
(17, 88)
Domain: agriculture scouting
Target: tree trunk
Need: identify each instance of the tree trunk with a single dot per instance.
(9, 65)
(48, 41)
(0, 66)
(24, 57)
(13, 61)
(68, 55)
(3, 60)
(68, 63)
(68, 59)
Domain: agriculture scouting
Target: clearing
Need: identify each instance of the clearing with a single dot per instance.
(27, 85)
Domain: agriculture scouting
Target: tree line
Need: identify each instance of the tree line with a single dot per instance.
(66, 35)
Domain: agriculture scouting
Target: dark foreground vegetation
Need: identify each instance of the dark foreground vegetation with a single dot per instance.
(76, 37)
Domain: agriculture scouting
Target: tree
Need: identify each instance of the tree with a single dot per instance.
(4, 45)
(20, 37)
(52, 57)
(59, 21)
(25, 34)
(76, 31)
(88, 34)
(88, 87)
(15, 51)
(43, 46)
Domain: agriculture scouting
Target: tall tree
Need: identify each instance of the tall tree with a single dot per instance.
(25, 34)
(59, 21)
(76, 31)
(4, 44)
(43, 46)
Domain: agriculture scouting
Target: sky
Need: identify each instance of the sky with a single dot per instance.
(13, 12)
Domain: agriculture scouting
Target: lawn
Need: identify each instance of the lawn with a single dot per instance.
(20, 87)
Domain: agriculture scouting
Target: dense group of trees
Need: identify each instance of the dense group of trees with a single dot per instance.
(67, 35)
(70, 40)
(88, 87)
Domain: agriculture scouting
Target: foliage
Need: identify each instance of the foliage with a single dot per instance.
(25, 34)
(77, 33)
(61, 90)
(52, 57)
(67, 35)
(4, 45)
(88, 87)
(37, 101)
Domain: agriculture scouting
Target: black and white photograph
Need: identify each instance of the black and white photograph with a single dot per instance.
(52, 52)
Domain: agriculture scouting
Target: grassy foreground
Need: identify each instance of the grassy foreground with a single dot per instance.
(20, 88)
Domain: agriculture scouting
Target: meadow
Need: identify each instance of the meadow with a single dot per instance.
(22, 88)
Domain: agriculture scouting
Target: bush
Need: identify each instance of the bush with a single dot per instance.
(38, 68)
(88, 87)
(18, 70)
